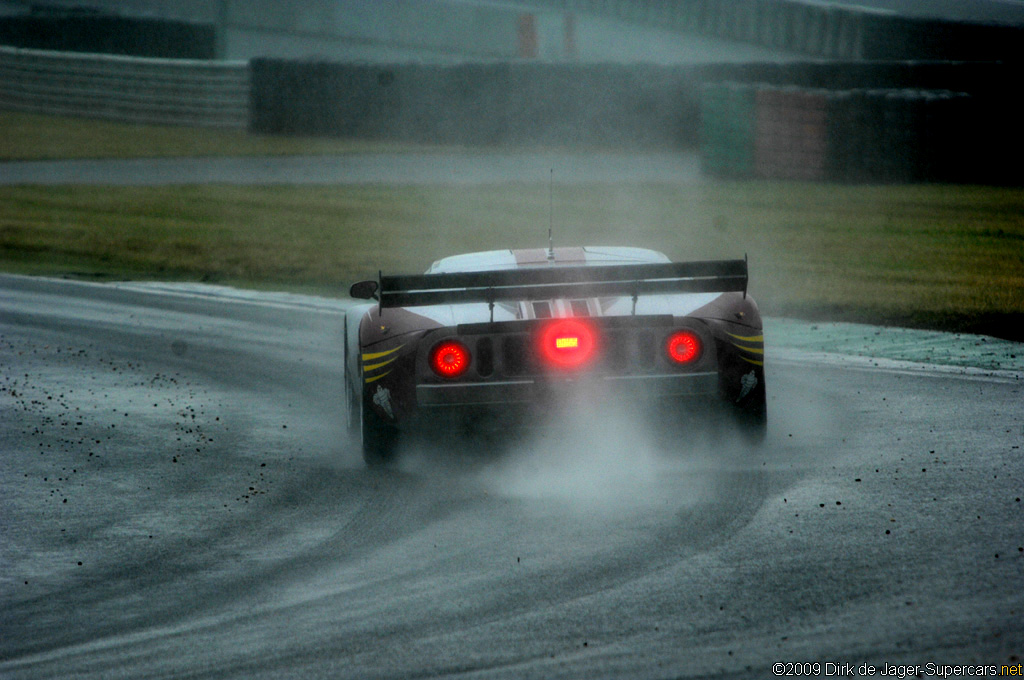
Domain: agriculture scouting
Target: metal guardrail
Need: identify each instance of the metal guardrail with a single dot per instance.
(128, 89)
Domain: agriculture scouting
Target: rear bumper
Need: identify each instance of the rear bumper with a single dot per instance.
(531, 391)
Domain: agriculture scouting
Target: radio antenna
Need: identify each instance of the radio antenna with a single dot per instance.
(551, 216)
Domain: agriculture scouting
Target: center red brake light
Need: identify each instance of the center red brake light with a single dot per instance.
(568, 343)
(683, 347)
(449, 359)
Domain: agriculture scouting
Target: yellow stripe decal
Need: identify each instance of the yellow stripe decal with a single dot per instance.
(752, 350)
(383, 363)
(747, 338)
(377, 377)
(751, 361)
(378, 355)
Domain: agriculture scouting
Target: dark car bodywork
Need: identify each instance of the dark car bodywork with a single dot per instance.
(496, 334)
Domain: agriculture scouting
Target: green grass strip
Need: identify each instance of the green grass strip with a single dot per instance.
(36, 137)
(942, 257)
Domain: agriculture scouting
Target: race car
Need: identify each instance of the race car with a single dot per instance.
(494, 337)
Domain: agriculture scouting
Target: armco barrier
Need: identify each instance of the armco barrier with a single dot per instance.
(130, 89)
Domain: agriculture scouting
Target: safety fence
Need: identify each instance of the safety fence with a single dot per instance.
(767, 132)
(129, 89)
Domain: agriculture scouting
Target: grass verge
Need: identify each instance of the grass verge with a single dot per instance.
(943, 257)
(36, 137)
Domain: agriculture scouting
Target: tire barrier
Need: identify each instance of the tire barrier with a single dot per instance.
(790, 134)
(756, 131)
(728, 117)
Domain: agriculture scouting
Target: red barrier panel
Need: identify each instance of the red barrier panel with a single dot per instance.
(790, 134)
(528, 36)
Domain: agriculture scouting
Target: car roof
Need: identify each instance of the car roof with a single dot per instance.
(492, 260)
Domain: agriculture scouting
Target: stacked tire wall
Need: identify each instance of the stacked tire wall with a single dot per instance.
(769, 132)
(728, 114)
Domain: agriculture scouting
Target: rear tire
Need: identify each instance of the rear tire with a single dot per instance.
(752, 422)
(379, 440)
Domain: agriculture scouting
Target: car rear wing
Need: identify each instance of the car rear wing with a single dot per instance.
(548, 283)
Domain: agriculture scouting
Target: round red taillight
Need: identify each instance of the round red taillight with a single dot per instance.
(449, 359)
(568, 343)
(683, 347)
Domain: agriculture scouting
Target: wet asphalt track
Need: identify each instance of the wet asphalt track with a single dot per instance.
(180, 501)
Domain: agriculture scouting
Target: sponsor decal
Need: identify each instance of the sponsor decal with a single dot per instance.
(747, 383)
(382, 398)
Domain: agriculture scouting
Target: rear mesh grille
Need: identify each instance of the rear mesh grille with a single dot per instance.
(515, 355)
(485, 357)
(621, 352)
